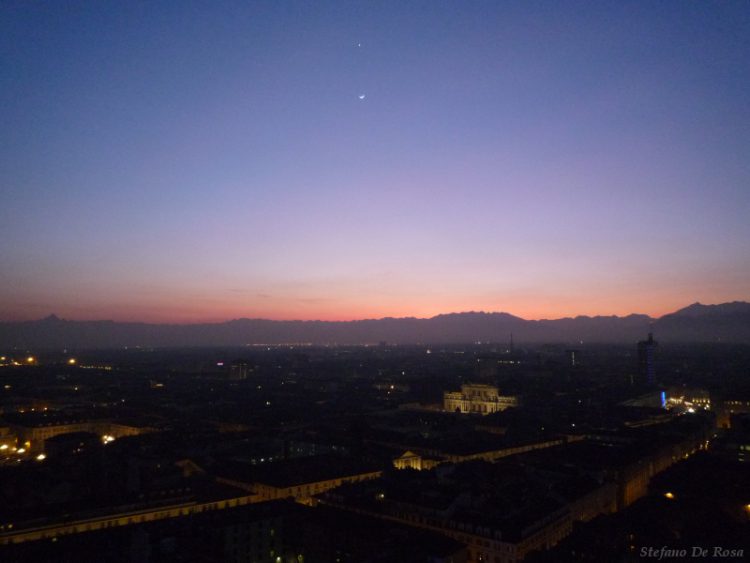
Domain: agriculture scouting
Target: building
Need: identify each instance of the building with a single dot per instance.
(687, 399)
(729, 407)
(299, 479)
(32, 431)
(19, 532)
(477, 398)
(412, 460)
(238, 370)
(500, 512)
(647, 360)
(472, 452)
(573, 357)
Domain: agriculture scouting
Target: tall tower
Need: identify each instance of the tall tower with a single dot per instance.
(647, 360)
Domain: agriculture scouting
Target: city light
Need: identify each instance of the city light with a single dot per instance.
(72, 361)
(107, 438)
(21, 450)
(41, 457)
(30, 359)
(4, 447)
(670, 496)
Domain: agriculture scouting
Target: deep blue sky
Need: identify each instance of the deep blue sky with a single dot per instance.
(208, 160)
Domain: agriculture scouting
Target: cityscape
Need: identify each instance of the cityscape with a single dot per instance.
(353, 282)
(475, 452)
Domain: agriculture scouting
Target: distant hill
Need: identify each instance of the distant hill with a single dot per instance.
(724, 309)
(727, 322)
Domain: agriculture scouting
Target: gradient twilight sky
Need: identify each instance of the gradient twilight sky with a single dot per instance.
(201, 161)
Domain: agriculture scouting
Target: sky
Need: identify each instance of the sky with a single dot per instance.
(202, 161)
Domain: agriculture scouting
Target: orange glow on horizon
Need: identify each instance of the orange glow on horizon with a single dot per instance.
(347, 311)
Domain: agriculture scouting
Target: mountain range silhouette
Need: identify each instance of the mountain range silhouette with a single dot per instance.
(726, 322)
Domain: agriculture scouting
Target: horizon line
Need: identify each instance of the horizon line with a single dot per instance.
(407, 317)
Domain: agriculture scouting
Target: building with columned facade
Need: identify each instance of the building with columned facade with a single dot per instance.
(477, 398)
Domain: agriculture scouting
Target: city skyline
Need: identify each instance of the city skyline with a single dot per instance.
(185, 163)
